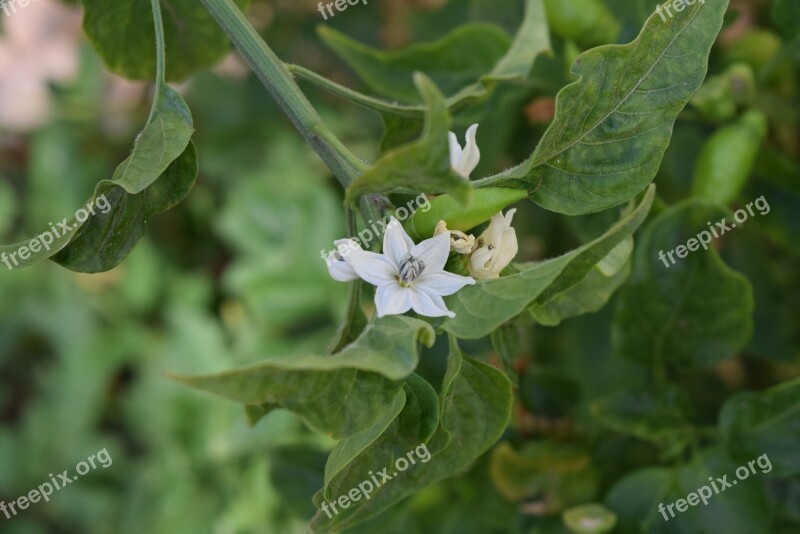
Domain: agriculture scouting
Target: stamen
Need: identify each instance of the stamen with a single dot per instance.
(410, 270)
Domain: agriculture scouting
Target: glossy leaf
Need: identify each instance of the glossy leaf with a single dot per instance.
(766, 422)
(488, 304)
(613, 125)
(122, 32)
(696, 312)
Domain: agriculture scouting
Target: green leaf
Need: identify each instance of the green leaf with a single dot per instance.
(423, 165)
(765, 423)
(786, 16)
(420, 417)
(453, 62)
(349, 447)
(476, 405)
(312, 386)
(506, 343)
(122, 32)
(388, 346)
(315, 396)
(661, 417)
(613, 125)
(107, 238)
(163, 159)
(696, 312)
(592, 293)
(739, 509)
(483, 307)
(457, 63)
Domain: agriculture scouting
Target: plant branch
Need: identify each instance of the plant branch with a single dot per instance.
(276, 77)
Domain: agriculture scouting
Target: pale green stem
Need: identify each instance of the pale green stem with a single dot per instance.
(276, 77)
(160, 59)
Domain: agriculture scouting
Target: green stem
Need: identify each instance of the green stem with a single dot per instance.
(276, 77)
(160, 55)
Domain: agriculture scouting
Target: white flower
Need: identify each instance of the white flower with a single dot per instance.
(464, 161)
(338, 260)
(495, 248)
(460, 242)
(409, 276)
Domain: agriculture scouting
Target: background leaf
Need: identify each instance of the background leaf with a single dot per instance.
(766, 422)
(193, 39)
(694, 313)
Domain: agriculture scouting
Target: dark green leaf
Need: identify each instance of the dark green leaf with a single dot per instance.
(767, 423)
(476, 405)
(122, 32)
(696, 312)
(613, 125)
(661, 417)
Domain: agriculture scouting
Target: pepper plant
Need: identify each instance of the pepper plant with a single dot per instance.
(445, 280)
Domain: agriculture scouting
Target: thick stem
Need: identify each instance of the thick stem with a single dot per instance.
(276, 77)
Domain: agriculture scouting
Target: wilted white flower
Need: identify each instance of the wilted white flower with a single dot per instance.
(409, 276)
(460, 242)
(338, 261)
(495, 248)
(464, 160)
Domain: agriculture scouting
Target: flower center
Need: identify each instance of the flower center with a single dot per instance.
(410, 271)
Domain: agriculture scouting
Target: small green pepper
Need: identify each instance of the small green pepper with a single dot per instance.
(485, 204)
(728, 157)
(587, 22)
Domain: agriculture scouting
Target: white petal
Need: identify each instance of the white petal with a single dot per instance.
(341, 271)
(376, 269)
(344, 246)
(391, 299)
(396, 243)
(455, 150)
(443, 283)
(480, 264)
(506, 250)
(433, 252)
(429, 304)
(471, 155)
